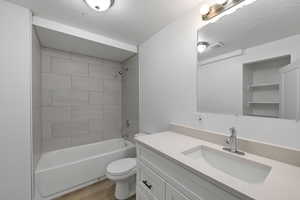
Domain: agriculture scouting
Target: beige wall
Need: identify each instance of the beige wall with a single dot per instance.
(81, 100)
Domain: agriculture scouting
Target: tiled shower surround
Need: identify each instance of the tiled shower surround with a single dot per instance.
(81, 100)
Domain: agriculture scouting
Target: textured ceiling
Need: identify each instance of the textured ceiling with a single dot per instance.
(260, 22)
(131, 21)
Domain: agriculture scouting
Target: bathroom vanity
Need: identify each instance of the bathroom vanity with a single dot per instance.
(175, 166)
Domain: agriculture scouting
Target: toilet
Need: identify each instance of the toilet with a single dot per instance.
(123, 172)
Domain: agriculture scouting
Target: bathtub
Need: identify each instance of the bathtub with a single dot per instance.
(62, 171)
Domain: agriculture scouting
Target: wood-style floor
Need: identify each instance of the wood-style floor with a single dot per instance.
(103, 190)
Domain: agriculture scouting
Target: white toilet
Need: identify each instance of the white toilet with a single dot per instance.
(123, 172)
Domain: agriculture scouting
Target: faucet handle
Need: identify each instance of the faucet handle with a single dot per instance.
(228, 140)
(232, 130)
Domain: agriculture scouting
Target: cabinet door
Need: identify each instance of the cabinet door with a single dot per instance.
(142, 194)
(150, 181)
(173, 194)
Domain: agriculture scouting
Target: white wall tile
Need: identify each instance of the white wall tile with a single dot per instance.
(53, 144)
(102, 71)
(86, 59)
(64, 66)
(111, 64)
(70, 97)
(56, 53)
(112, 111)
(87, 83)
(112, 98)
(46, 62)
(74, 102)
(111, 131)
(46, 97)
(112, 122)
(96, 126)
(53, 81)
(46, 129)
(87, 139)
(36, 102)
(112, 92)
(112, 86)
(86, 112)
(57, 113)
(96, 98)
(70, 128)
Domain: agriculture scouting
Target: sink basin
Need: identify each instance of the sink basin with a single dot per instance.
(233, 165)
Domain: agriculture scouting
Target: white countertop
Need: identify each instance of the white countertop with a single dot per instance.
(282, 183)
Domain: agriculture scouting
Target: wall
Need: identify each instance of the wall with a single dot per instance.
(168, 66)
(36, 102)
(168, 89)
(15, 102)
(130, 97)
(81, 100)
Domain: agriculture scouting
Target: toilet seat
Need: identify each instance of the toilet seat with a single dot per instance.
(122, 167)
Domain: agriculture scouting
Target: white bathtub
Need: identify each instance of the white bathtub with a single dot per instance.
(62, 171)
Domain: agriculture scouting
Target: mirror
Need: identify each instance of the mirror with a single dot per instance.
(249, 61)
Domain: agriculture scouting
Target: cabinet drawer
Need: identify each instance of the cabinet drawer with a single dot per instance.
(150, 182)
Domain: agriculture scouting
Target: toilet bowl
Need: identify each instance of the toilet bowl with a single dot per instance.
(123, 172)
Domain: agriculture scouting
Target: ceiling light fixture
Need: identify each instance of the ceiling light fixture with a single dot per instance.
(202, 46)
(99, 5)
(209, 12)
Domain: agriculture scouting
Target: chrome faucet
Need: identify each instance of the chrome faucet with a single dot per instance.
(232, 141)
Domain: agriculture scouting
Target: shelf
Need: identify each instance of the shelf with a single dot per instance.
(264, 85)
(263, 102)
(262, 115)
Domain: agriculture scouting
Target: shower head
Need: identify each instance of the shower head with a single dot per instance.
(121, 73)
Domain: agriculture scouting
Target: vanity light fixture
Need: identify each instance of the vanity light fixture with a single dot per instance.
(216, 9)
(205, 9)
(99, 5)
(202, 46)
(222, 2)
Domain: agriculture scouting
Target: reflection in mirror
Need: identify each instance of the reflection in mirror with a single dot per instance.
(251, 64)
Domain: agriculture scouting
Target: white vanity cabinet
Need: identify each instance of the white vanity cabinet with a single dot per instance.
(142, 194)
(173, 194)
(159, 178)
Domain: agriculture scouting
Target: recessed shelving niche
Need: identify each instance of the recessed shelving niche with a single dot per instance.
(261, 86)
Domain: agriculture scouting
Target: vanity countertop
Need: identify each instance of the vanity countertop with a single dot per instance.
(282, 183)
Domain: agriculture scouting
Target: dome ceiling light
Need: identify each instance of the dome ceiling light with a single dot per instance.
(100, 5)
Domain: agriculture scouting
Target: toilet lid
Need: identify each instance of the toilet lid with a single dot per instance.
(122, 166)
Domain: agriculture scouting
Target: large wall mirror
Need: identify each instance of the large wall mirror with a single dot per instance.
(249, 61)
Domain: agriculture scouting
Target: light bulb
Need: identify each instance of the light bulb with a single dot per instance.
(222, 2)
(204, 10)
(99, 5)
(202, 46)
